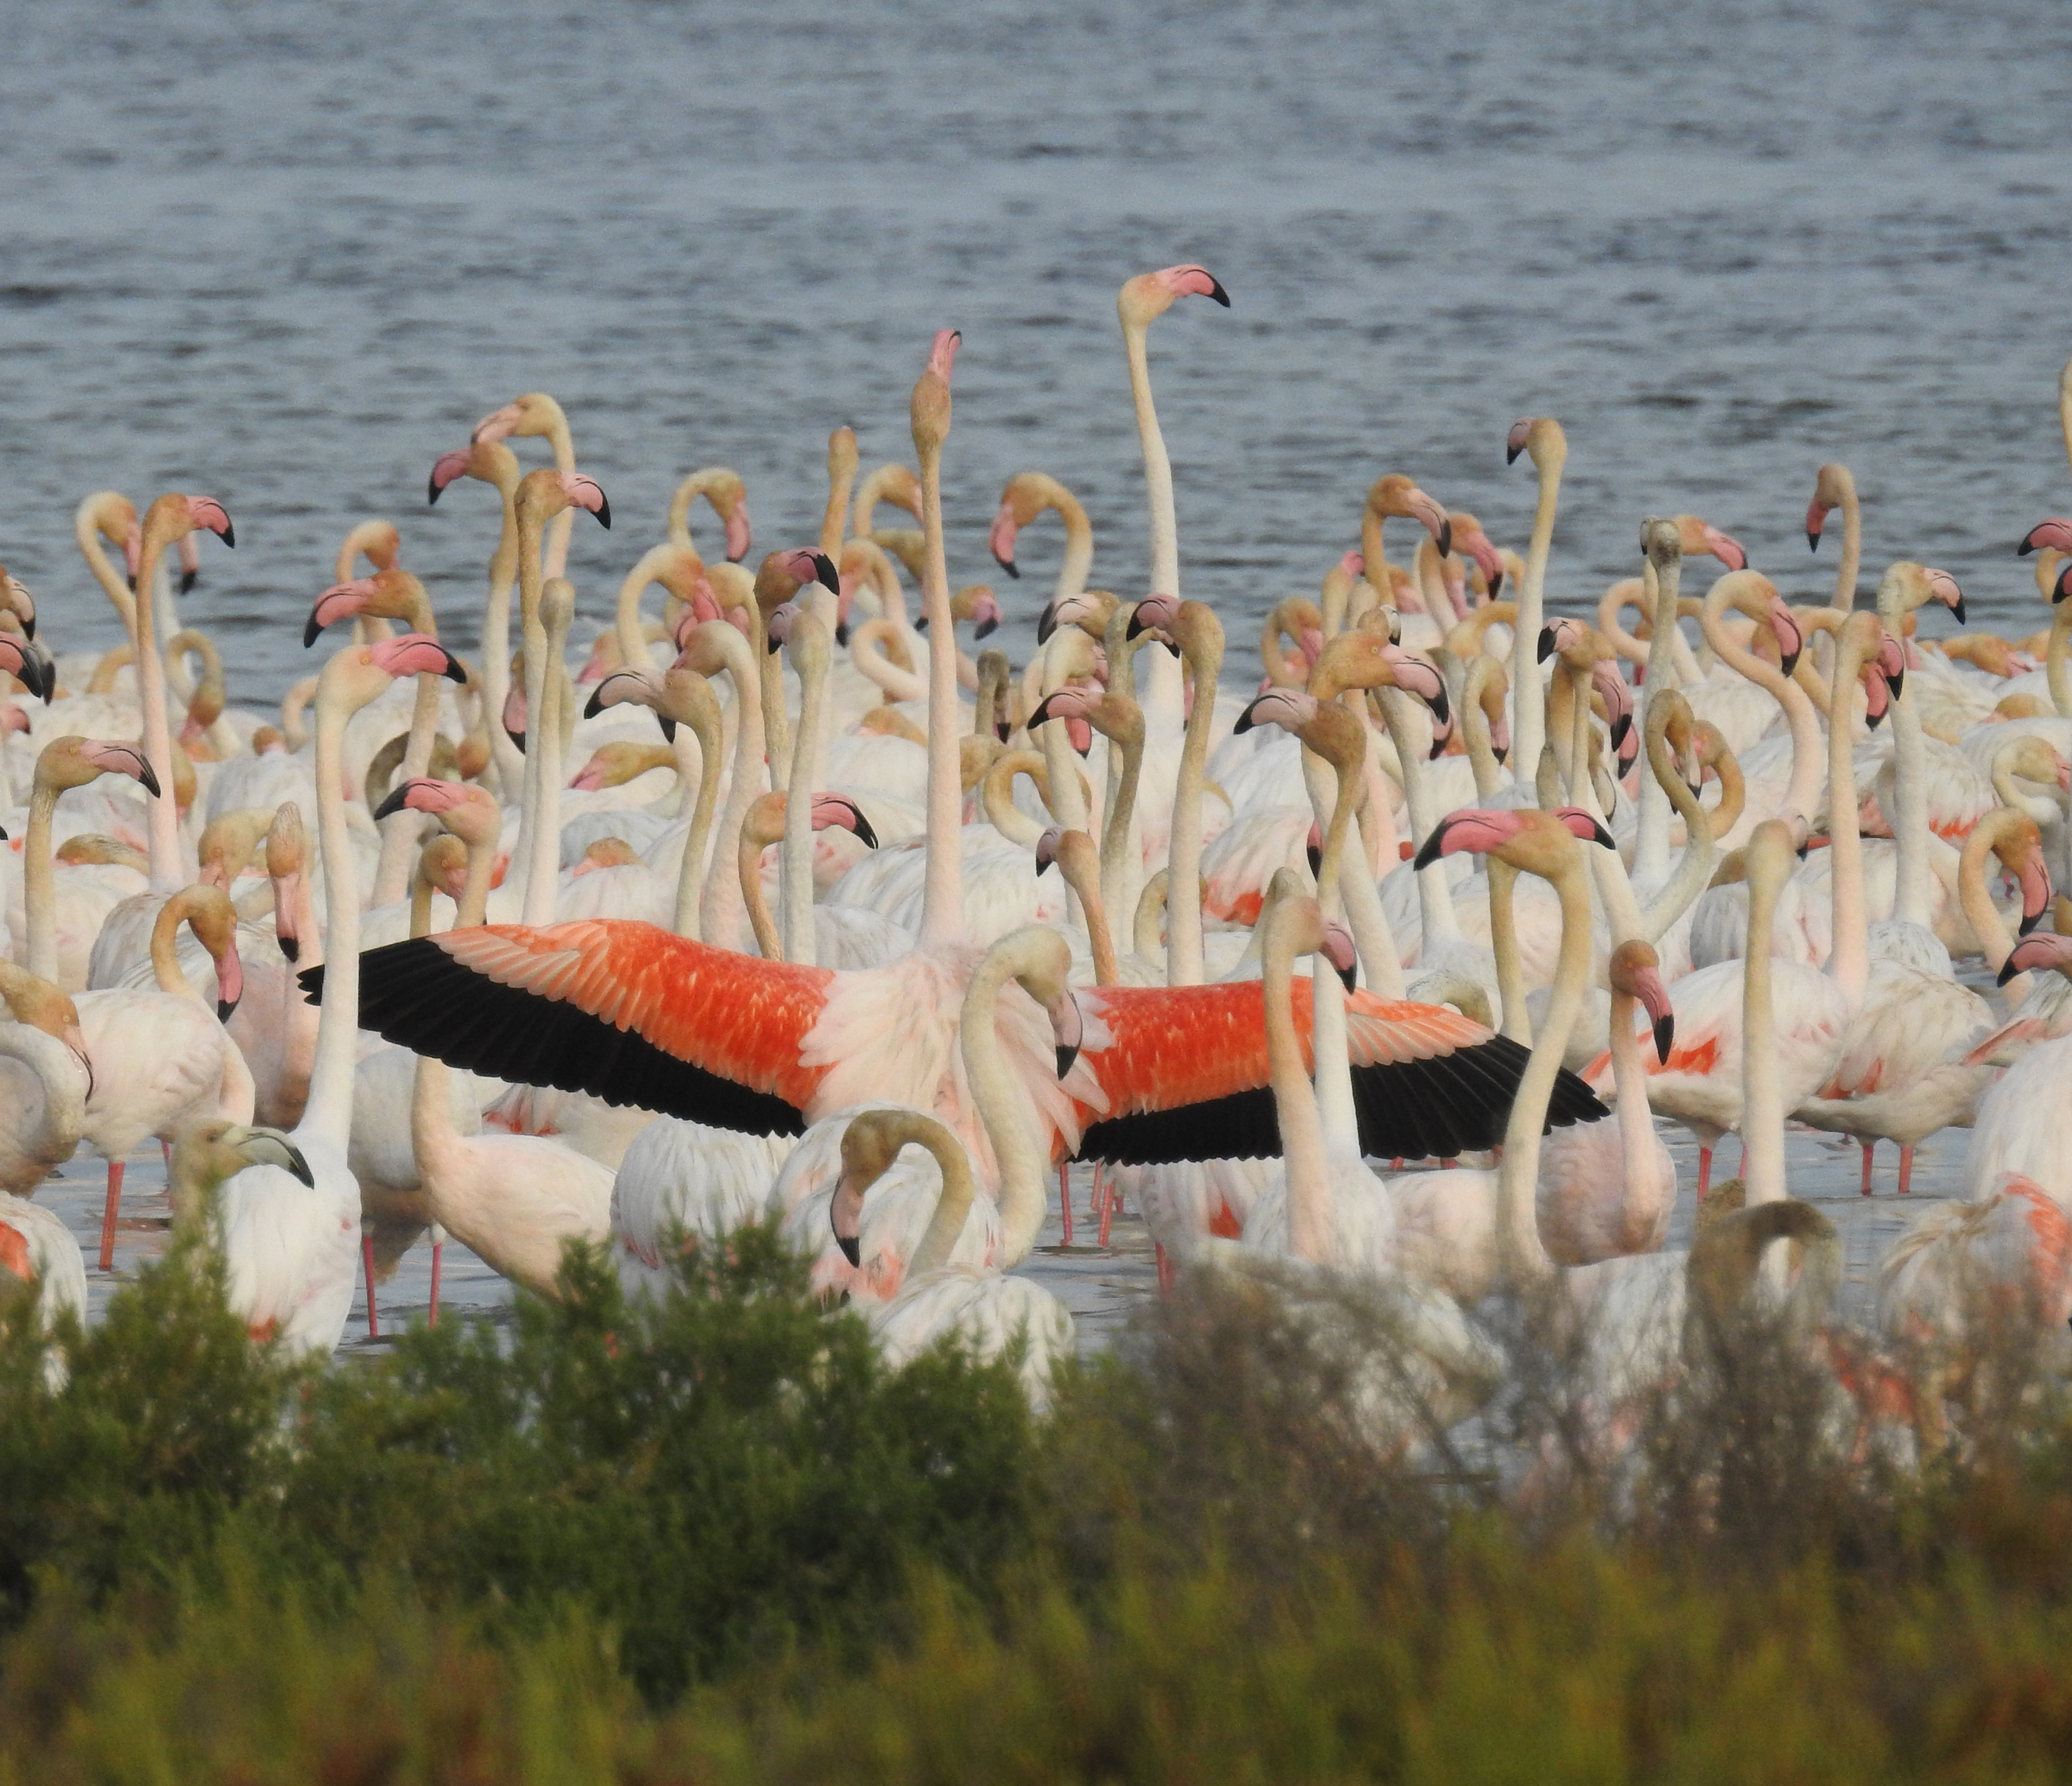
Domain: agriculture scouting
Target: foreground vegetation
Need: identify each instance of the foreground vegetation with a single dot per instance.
(715, 1541)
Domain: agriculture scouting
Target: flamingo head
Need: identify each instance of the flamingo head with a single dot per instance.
(427, 794)
(1047, 848)
(840, 812)
(1291, 709)
(1468, 534)
(786, 573)
(1942, 587)
(1159, 614)
(1336, 948)
(1396, 495)
(22, 658)
(620, 688)
(206, 513)
(447, 468)
(984, 613)
(2063, 586)
(587, 494)
(416, 654)
(1525, 831)
(1519, 438)
(133, 549)
(15, 598)
(2045, 950)
(534, 414)
(98, 757)
(1559, 634)
(943, 352)
(2056, 532)
(1700, 539)
(1068, 701)
(1636, 972)
(1143, 300)
(340, 601)
(1784, 627)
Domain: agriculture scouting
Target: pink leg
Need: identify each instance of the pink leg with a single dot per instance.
(1107, 1198)
(1704, 1171)
(1906, 1170)
(108, 1209)
(1167, 1276)
(1396, 1165)
(165, 1152)
(438, 1248)
(1065, 1197)
(1869, 1148)
(367, 1259)
(1449, 1165)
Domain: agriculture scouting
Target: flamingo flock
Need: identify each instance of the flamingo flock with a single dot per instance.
(782, 905)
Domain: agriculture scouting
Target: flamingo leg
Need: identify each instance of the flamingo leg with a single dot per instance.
(1906, 1170)
(366, 1260)
(1869, 1148)
(1704, 1171)
(108, 1212)
(1106, 1195)
(166, 1153)
(438, 1250)
(1065, 1197)
(1167, 1276)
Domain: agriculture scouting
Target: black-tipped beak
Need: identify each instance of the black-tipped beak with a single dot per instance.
(188, 579)
(1217, 292)
(1349, 974)
(2029, 921)
(1066, 1057)
(433, 491)
(851, 1248)
(604, 510)
(150, 782)
(1009, 565)
(1958, 609)
(1428, 852)
(668, 728)
(1136, 629)
(1599, 834)
(1245, 721)
(1510, 454)
(1620, 727)
(841, 632)
(1440, 710)
(312, 630)
(1438, 749)
(297, 1166)
(291, 947)
(774, 645)
(985, 626)
(1546, 643)
(2008, 972)
(517, 739)
(2063, 586)
(1445, 539)
(593, 706)
(38, 676)
(1315, 854)
(1041, 714)
(862, 828)
(1006, 731)
(1495, 584)
(1665, 1037)
(1812, 540)
(824, 573)
(455, 670)
(1789, 662)
(1046, 624)
(223, 1009)
(391, 802)
(228, 536)
(920, 622)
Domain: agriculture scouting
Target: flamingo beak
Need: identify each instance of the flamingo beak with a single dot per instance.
(1514, 441)
(229, 984)
(1546, 642)
(1046, 849)
(1313, 849)
(1068, 1029)
(845, 1218)
(1654, 1000)
(1001, 541)
(2036, 891)
(1338, 949)
(737, 533)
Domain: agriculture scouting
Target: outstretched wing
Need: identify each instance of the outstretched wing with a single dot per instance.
(621, 1009)
(1185, 1078)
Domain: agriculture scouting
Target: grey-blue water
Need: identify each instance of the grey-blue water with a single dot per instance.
(285, 253)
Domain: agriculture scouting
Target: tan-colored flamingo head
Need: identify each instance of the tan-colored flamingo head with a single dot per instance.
(545, 493)
(1396, 496)
(619, 760)
(1027, 494)
(1145, 298)
(1539, 435)
(15, 599)
(359, 673)
(469, 812)
(1635, 971)
(764, 824)
(229, 842)
(486, 461)
(1907, 585)
(2045, 949)
(72, 762)
(442, 865)
(207, 1153)
(535, 413)
(1469, 538)
(43, 1006)
(2055, 533)
(976, 604)
(1115, 715)
(929, 410)
(1533, 841)
(1832, 486)
(1089, 611)
(1332, 730)
(173, 517)
(1700, 539)
(1751, 593)
(781, 575)
(393, 594)
(1365, 658)
(207, 910)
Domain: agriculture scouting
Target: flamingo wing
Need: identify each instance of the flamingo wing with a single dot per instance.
(619, 1009)
(1185, 1078)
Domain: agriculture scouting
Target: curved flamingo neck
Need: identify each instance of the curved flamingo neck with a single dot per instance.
(1518, 1173)
(720, 910)
(1078, 559)
(1000, 1102)
(87, 532)
(1312, 1226)
(1979, 911)
(1185, 959)
(1848, 964)
(1762, 1094)
(1435, 892)
(710, 739)
(1636, 1123)
(1801, 799)
(39, 895)
(953, 1203)
(538, 902)
(809, 655)
(1650, 855)
(162, 812)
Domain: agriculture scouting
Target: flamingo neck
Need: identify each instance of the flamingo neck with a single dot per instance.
(1185, 961)
(720, 910)
(796, 866)
(1852, 548)
(391, 875)
(633, 647)
(329, 1111)
(56, 1125)
(1650, 855)
(497, 646)
(163, 812)
(953, 1203)
(748, 864)
(1120, 859)
(1528, 702)
(1435, 892)
(869, 656)
(1518, 1173)
(1305, 1157)
(1849, 963)
(104, 571)
(1762, 1092)
(559, 536)
(1078, 542)
(1802, 798)
(543, 738)
(1910, 769)
(1979, 911)
(166, 971)
(942, 898)
(39, 895)
(1001, 1103)
(1694, 868)
(1517, 1020)
(690, 871)
(532, 644)
(1629, 1074)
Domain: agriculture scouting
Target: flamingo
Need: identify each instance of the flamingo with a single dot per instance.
(291, 1246)
(45, 1080)
(59, 941)
(492, 463)
(1833, 488)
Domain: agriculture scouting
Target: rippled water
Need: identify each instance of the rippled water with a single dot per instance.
(287, 252)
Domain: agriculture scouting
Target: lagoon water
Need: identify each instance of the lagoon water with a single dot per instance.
(286, 253)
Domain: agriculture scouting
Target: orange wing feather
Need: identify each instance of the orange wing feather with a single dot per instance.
(737, 1016)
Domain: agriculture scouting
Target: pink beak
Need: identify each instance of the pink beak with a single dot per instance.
(1434, 518)
(737, 533)
(229, 983)
(589, 778)
(1655, 1001)
(1001, 539)
(1726, 549)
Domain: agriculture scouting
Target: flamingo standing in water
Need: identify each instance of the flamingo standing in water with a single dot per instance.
(636, 1016)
